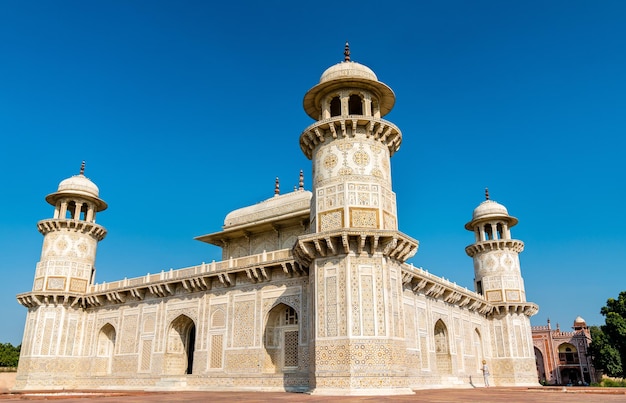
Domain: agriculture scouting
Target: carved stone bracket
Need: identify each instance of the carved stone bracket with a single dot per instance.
(393, 244)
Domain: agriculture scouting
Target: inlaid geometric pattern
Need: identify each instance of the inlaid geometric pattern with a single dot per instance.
(381, 316)
(149, 323)
(355, 288)
(330, 161)
(218, 319)
(244, 320)
(494, 295)
(56, 283)
(78, 285)
(291, 348)
(129, 334)
(217, 341)
(410, 333)
(146, 355)
(389, 221)
(331, 220)
(364, 218)
(331, 306)
(368, 304)
(512, 295)
(361, 158)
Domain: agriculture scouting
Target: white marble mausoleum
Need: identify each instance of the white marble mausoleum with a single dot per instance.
(313, 292)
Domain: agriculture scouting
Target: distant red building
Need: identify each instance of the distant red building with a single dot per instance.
(563, 357)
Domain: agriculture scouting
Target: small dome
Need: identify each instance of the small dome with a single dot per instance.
(579, 321)
(348, 69)
(288, 204)
(489, 208)
(348, 74)
(78, 184)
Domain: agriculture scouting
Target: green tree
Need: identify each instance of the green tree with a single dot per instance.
(9, 355)
(608, 345)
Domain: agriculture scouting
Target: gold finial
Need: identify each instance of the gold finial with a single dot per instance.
(346, 52)
(301, 181)
(486, 193)
(276, 187)
(82, 169)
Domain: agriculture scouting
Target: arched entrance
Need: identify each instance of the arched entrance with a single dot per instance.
(281, 339)
(105, 349)
(478, 349)
(569, 364)
(541, 368)
(181, 342)
(442, 348)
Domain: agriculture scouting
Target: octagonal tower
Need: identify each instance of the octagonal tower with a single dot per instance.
(355, 251)
(55, 324)
(499, 279)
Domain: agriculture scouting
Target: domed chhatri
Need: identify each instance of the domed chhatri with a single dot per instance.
(348, 69)
(488, 210)
(344, 75)
(78, 185)
(579, 322)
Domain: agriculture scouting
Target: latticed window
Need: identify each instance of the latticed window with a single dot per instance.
(290, 317)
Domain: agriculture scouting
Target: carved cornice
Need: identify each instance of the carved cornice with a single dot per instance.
(435, 287)
(256, 268)
(34, 299)
(393, 244)
(348, 126)
(497, 244)
(527, 308)
(90, 228)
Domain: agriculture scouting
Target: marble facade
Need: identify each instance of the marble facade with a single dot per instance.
(313, 293)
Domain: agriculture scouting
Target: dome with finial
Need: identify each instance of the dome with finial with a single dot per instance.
(579, 322)
(344, 74)
(490, 209)
(280, 205)
(78, 185)
(347, 69)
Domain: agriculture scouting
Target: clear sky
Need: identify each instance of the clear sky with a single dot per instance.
(186, 110)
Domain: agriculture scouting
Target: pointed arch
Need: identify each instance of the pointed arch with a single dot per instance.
(105, 349)
(541, 366)
(181, 340)
(442, 348)
(568, 354)
(478, 348)
(281, 339)
(218, 319)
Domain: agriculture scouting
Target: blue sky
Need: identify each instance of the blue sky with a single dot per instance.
(184, 111)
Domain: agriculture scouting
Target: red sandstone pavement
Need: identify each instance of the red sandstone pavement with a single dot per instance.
(480, 395)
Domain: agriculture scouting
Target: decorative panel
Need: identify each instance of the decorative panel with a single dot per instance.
(331, 220)
(217, 346)
(291, 348)
(243, 335)
(146, 355)
(364, 218)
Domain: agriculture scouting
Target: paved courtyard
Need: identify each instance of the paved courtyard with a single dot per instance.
(510, 395)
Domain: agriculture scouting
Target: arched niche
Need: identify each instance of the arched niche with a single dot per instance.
(442, 348)
(105, 349)
(281, 339)
(181, 340)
